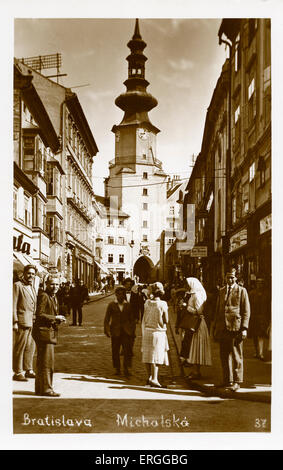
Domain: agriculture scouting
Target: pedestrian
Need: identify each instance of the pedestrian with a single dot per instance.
(132, 298)
(45, 333)
(78, 295)
(24, 307)
(154, 338)
(119, 324)
(260, 302)
(195, 349)
(65, 299)
(230, 329)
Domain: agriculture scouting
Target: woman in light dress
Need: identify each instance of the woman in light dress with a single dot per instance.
(196, 349)
(154, 338)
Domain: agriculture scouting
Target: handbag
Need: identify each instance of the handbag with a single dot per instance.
(46, 335)
(190, 321)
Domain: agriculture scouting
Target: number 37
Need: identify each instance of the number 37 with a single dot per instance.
(260, 423)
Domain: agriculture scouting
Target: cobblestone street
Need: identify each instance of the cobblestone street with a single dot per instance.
(92, 394)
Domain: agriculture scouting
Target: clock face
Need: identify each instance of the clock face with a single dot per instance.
(143, 134)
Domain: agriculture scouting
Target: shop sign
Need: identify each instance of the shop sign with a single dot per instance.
(199, 252)
(265, 224)
(18, 245)
(238, 240)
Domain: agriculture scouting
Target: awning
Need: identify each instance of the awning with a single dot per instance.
(102, 268)
(39, 268)
(23, 260)
(20, 259)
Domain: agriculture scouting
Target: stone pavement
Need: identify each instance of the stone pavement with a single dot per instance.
(83, 366)
(257, 374)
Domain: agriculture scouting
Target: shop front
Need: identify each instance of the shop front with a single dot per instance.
(22, 255)
(83, 268)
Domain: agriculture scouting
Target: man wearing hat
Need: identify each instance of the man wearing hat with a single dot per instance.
(119, 324)
(230, 329)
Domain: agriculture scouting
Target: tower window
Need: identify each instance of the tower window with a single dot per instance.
(134, 71)
(144, 192)
(145, 206)
(144, 238)
(144, 224)
(121, 259)
(145, 175)
(110, 258)
(139, 71)
(144, 156)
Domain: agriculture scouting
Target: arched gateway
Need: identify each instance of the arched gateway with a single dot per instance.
(143, 268)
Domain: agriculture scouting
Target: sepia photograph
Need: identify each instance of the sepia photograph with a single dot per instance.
(141, 275)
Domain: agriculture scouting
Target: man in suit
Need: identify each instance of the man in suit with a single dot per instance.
(24, 307)
(119, 324)
(47, 315)
(230, 329)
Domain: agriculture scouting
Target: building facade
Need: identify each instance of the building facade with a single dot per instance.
(35, 145)
(80, 149)
(136, 181)
(249, 242)
(116, 253)
(54, 147)
(230, 185)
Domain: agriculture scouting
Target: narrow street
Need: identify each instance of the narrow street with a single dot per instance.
(94, 400)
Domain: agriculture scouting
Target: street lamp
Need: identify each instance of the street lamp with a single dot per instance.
(131, 244)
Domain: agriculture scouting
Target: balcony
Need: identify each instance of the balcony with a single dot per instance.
(54, 205)
(79, 206)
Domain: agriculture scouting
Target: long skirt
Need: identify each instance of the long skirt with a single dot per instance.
(155, 347)
(200, 350)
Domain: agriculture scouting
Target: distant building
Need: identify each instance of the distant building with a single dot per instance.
(169, 257)
(116, 253)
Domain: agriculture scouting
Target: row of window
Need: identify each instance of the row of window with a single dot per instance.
(79, 228)
(78, 145)
(75, 183)
(110, 222)
(111, 258)
(250, 107)
(118, 241)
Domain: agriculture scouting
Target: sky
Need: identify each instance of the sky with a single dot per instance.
(184, 63)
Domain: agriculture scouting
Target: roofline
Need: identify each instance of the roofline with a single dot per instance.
(38, 111)
(74, 106)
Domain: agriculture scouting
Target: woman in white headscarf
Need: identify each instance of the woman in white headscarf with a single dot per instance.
(196, 350)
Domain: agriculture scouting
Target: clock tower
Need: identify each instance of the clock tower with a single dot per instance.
(136, 178)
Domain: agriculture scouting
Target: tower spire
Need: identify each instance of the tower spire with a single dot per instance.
(137, 34)
(136, 101)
